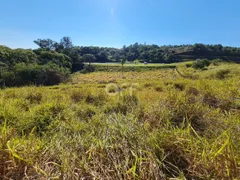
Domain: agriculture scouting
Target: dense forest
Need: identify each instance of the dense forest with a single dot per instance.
(53, 61)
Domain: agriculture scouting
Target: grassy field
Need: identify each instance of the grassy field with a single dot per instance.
(132, 67)
(157, 124)
(130, 64)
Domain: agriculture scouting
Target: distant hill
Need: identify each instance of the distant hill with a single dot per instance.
(67, 55)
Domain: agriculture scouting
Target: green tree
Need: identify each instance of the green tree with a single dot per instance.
(60, 59)
(66, 42)
(23, 55)
(88, 58)
(46, 44)
(5, 55)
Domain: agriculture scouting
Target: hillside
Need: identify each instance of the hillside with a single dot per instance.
(53, 62)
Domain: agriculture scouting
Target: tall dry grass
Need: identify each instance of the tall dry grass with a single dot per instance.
(171, 127)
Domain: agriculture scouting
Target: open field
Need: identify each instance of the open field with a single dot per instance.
(155, 124)
(132, 67)
(131, 64)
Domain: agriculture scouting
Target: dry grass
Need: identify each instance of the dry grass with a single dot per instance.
(171, 127)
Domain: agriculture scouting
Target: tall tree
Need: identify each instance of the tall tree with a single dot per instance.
(66, 42)
(46, 44)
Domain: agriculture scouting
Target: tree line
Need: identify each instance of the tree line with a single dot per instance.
(59, 59)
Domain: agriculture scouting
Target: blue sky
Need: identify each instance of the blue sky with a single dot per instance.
(120, 22)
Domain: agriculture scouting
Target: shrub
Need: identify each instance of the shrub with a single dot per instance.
(77, 67)
(216, 62)
(88, 69)
(201, 63)
(7, 78)
(33, 74)
(54, 57)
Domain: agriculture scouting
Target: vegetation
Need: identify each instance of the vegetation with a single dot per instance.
(131, 68)
(171, 126)
(201, 63)
(117, 118)
(67, 56)
(88, 58)
(33, 74)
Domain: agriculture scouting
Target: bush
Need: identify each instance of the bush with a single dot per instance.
(44, 57)
(33, 74)
(216, 62)
(77, 67)
(201, 63)
(88, 69)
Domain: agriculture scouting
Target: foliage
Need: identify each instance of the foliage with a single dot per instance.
(66, 43)
(5, 55)
(88, 69)
(216, 62)
(88, 58)
(59, 59)
(201, 63)
(23, 56)
(46, 44)
(33, 74)
(66, 55)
